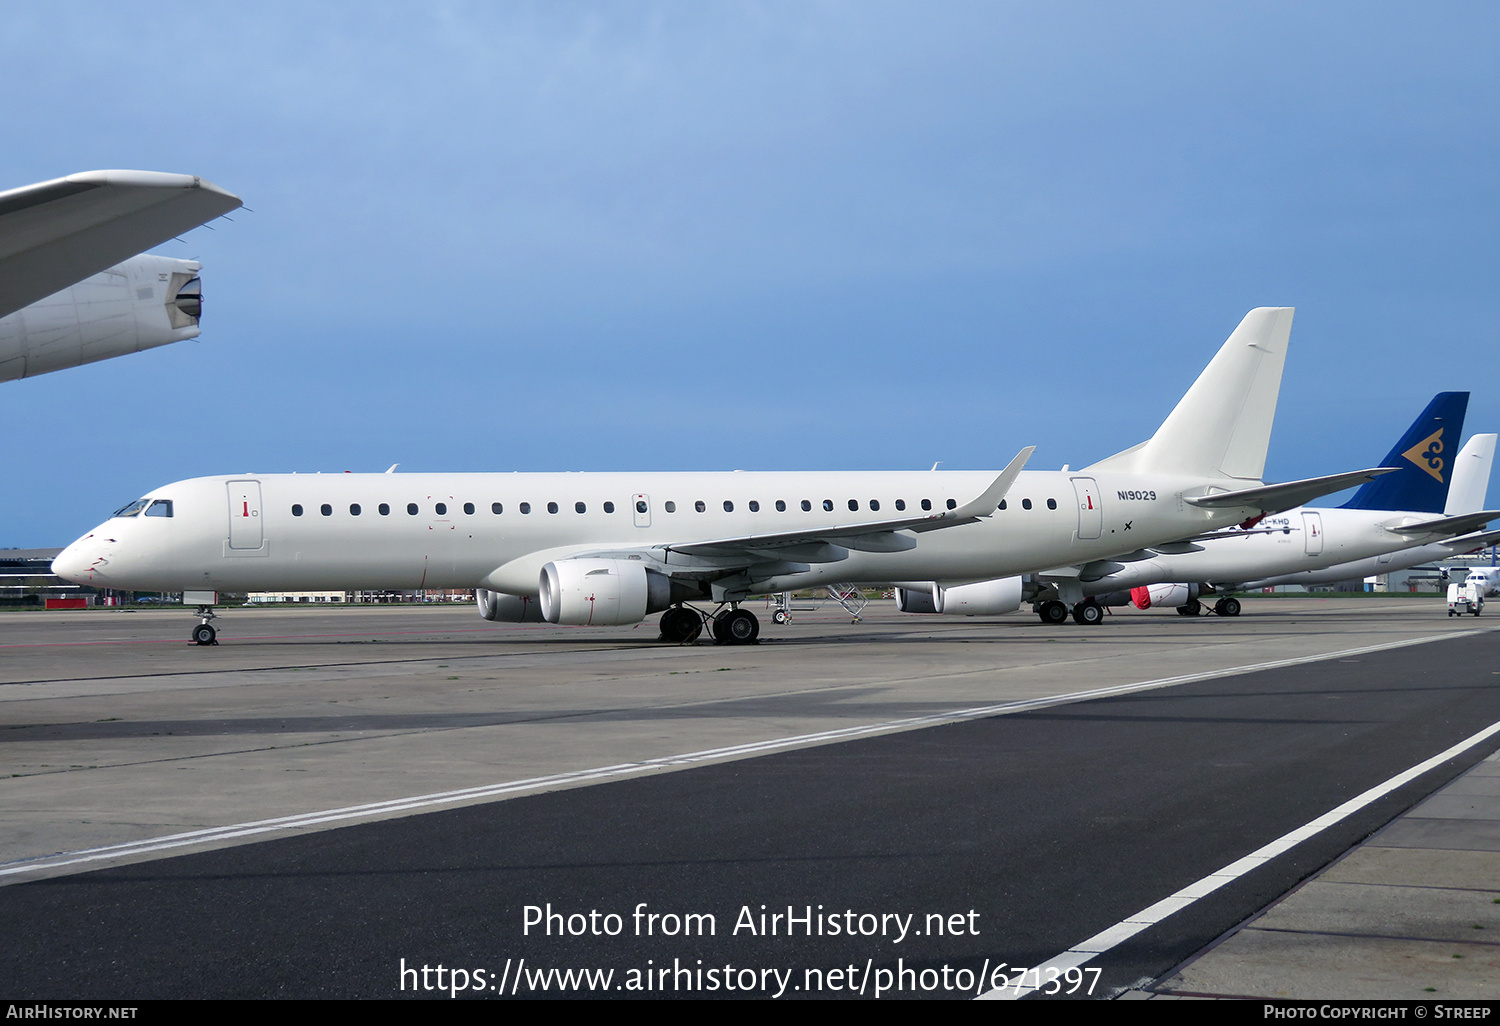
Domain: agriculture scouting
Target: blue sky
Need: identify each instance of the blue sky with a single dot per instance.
(696, 236)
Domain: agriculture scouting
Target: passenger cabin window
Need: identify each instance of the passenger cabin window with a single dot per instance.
(728, 506)
(781, 505)
(1051, 503)
(828, 505)
(469, 508)
(641, 507)
(699, 506)
(670, 507)
(442, 509)
(953, 504)
(326, 510)
(411, 507)
(354, 509)
(853, 505)
(551, 507)
(385, 509)
(160, 508)
(1002, 504)
(525, 507)
(806, 506)
(1025, 503)
(496, 508)
(579, 507)
(900, 505)
(926, 504)
(609, 507)
(875, 505)
(754, 506)
(132, 509)
(296, 509)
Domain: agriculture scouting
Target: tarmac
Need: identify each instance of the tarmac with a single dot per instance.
(1411, 914)
(106, 715)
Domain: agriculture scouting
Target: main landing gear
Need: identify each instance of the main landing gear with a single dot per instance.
(736, 627)
(1088, 612)
(1053, 612)
(1227, 607)
(204, 633)
(682, 625)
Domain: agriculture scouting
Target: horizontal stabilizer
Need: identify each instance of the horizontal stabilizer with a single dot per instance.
(1470, 542)
(1274, 498)
(1447, 525)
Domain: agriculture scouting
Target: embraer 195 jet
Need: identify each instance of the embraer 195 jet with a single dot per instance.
(614, 548)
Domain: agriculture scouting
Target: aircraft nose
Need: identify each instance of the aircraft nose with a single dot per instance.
(82, 562)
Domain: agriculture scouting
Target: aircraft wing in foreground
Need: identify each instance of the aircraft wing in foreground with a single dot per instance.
(53, 234)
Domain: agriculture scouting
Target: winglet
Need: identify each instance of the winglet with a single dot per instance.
(985, 504)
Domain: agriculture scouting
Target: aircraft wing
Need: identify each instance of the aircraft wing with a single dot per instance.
(716, 556)
(1275, 498)
(1447, 525)
(53, 234)
(876, 536)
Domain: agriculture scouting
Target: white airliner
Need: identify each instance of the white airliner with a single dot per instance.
(614, 548)
(1284, 547)
(1488, 579)
(55, 234)
(144, 302)
(1471, 480)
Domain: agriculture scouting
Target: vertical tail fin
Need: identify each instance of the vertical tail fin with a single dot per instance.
(1424, 455)
(1471, 476)
(1222, 427)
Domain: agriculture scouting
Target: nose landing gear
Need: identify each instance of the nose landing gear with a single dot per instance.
(204, 633)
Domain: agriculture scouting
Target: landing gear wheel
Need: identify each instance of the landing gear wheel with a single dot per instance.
(1190, 608)
(1053, 612)
(680, 626)
(736, 627)
(204, 634)
(781, 616)
(1088, 613)
(1227, 607)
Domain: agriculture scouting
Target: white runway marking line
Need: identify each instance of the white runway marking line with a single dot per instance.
(212, 835)
(1149, 916)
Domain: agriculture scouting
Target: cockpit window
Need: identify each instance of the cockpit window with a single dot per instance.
(160, 508)
(131, 510)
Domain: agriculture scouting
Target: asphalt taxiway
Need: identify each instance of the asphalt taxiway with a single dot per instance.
(329, 792)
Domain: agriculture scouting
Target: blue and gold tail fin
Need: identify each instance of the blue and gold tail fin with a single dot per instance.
(1425, 458)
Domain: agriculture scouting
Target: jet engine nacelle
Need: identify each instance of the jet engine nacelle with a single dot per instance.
(145, 302)
(497, 605)
(602, 592)
(1168, 596)
(986, 598)
(916, 600)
